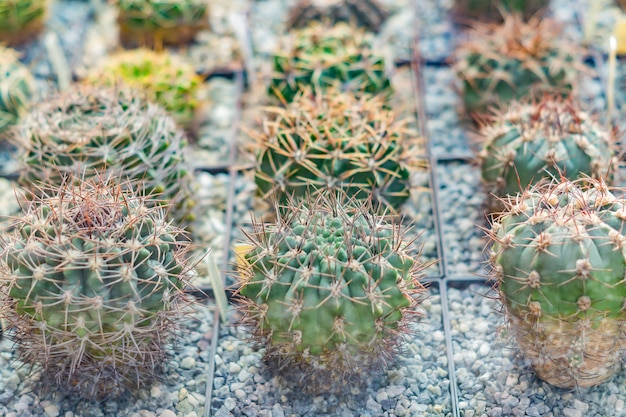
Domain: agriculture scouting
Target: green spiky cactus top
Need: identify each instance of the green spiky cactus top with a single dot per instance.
(559, 255)
(544, 139)
(328, 289)
(369, 14)
(337, 141)
(91, 131)
(21, 20)
(154, 23)
(501, 63)
(321, 56)
(93, 277)
(17, 87)
(162, 77)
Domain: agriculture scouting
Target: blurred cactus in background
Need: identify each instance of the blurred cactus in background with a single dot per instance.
(21, 20)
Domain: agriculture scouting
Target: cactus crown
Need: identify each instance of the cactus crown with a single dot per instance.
(328, 289)
(17, 86)
(503, 62)
(163, 78)
(543, 139)
(337, 141)
(93, 277)
(89, 131)
(321, 56)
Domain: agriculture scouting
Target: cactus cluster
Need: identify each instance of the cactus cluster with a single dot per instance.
(336, 141)
(155, 23)
(558, 256)
(93, 277)
(329, 289)
(321, 56)
(368, 14)
(91, 131)
(17, 87)
(467, 11)
(21, 20)
(161, 77)
(540, 139)
(500, 63)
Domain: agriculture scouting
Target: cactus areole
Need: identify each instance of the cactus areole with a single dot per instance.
(560, 259)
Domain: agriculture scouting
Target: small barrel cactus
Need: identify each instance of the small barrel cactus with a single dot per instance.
(321, 56)
(493, 10)
(155, 23)
(337, 141)
(548, 138)
(21, 20)
(558, 256)
(329, 289)
(368, 14)
(163, 78)
(17, 87)
(501, 63)
(91, 131)
(93, 281)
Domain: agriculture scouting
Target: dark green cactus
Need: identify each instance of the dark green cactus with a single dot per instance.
(21, 20)
(321, 56)
(501, 63)
(90, 131)
(328, 289)
(17, 87)
(467, 11)
(558, 256)
(337, 141)
(369, 14)
(93, 279)
(544, 139)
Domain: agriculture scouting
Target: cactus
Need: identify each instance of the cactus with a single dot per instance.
(336, 141)
(558, 255)
(494, 10)
(543, 139)
(92, 281)
(21, 20)
(164, 78)
(501, 63)
(329, 290)
(89, 131)
(155, 23)
(368, 14)
(321, 56)
(17, 87)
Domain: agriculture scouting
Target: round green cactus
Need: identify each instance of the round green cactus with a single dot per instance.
(501, 63)
(558, 255)
(17, 87)
(494, 10)
(163, 78)
(91, 131)
(545, 139)
(93, 277)
(154, 23)
(369, 14)
(337, 141)
(328, 289)
(21, 20)
(321, 56)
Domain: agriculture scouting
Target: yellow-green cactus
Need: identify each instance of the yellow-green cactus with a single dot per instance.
(21, 20)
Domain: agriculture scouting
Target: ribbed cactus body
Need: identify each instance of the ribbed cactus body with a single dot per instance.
(17, 87)
(550, 138)
(21, 20)
(559, 259)
(493, 10)
(337, 141)
(328, 289)
(501, 63)
(321, 56)
(162, 79)
(90, 132)
(93, 275)
(154, 23)
(368, 14)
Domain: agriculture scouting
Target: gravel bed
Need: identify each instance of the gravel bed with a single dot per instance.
(180, 393)
(416, 385)
(494, 380)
